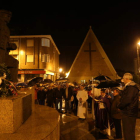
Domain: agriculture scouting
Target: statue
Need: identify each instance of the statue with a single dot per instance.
(6, 46)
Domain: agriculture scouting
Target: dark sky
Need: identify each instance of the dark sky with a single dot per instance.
(115, 24)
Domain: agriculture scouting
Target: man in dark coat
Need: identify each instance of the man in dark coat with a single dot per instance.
(68, 93)
(129, 106)
(50, 96)
(41, 96)
(58, 97)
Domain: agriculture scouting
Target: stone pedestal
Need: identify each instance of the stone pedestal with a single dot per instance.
(15, 110)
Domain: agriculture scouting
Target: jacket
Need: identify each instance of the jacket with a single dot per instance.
(115, 112)
(70, 93)
(58, 93)
(129, 100)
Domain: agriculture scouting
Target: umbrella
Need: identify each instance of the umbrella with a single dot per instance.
(108, 84)
(102, 77)
(35, 80)
(22, 84)
(61, 80)
(47, 81)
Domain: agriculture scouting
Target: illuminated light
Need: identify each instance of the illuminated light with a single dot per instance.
(21, 52)
(67, 74)
(139, 43)
(50, 73)
(60, 70)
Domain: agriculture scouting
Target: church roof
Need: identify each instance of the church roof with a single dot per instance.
(100, 49)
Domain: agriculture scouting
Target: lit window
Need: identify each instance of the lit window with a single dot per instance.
(45, 58)
(45, 42)
(30, 58)
(30, 43)
(48, 58)
(83, 81)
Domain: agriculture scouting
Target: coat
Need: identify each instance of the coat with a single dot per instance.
(70, 93)
(129, 100)
(115, 112)
(102, 116)
(50, 95)
(58, 93)
(41, 95)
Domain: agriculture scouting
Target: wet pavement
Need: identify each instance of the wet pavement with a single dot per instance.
(71, 128)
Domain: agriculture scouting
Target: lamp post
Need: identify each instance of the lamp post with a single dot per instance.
(138, 57)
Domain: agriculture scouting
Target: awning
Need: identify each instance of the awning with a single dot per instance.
(32, 72)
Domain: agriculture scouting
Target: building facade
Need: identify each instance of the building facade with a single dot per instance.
(38, 56)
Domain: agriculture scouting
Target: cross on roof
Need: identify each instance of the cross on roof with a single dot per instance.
(90, 59)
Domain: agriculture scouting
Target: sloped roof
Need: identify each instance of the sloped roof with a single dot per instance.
(100, 49)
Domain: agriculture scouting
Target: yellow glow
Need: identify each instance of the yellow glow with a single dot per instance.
(67, 74)
(139, 43)
(48, 72)
(60, 70)
(21, 52)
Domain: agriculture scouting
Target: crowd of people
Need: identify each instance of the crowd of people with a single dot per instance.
(111, 107)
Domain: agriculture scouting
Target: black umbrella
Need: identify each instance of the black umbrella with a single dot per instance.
(102, 77)
(35, 80)
(46, 81)
(108, 84)
(61, 80)
(22, 84)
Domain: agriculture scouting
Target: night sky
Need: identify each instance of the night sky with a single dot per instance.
(115, 24)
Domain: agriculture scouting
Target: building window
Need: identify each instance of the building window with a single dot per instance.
(83, 81)
(30, 58)
(48, 58)
(30, 43)
(45, 42)
(45, 58)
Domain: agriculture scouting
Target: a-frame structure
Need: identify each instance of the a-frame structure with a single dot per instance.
(91, 61)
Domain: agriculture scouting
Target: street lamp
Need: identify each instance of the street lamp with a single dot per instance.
(138, 56)
(60, 70)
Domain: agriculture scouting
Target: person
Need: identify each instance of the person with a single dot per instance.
(36, 90)
(116, 113)
(129, 106)
(67, 94)
(102, 106)
(89, 98)
(76, 88)
(41, 96)
(82, 97)
(58, 98)
(50, 96)
(109, 92)
(95, 93)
